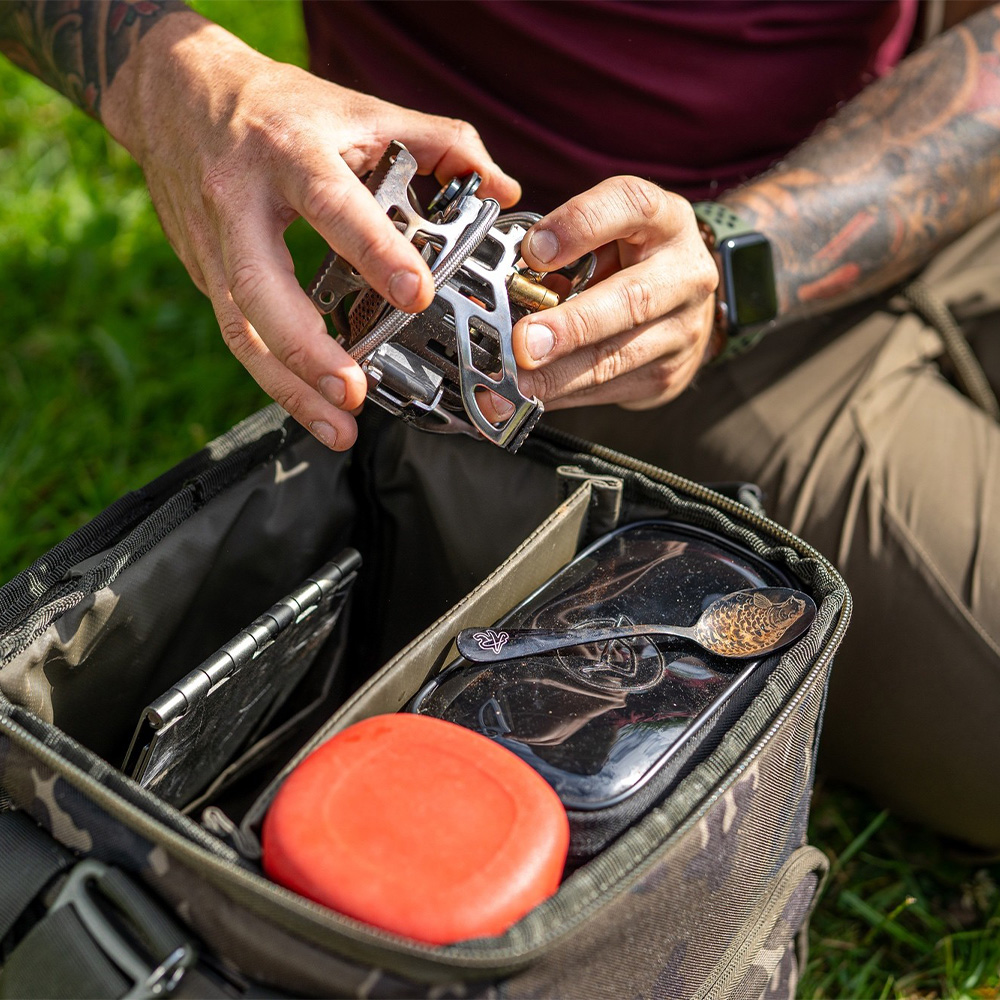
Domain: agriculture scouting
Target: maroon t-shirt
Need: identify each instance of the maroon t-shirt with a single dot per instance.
(697, 96)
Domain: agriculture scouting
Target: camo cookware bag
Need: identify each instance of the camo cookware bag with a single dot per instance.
(145, 726)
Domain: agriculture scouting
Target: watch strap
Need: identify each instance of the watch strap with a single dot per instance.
(719, 221)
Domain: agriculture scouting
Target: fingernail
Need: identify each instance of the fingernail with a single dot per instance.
(334, 389)
(502, 407)
(543, 245)
(539, 340)
(324, 432)
(404, 286)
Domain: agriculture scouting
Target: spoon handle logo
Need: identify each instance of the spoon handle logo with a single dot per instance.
(490, 640)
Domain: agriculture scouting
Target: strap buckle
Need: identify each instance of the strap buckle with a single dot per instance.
(89, 878)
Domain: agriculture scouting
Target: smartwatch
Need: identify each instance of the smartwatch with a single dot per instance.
(747, 300)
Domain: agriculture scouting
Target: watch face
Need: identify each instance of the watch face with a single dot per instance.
(749, 276)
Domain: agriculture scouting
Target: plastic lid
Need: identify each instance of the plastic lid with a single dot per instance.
(417, 826)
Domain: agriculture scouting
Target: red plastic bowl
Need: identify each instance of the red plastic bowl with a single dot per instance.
(420, 827)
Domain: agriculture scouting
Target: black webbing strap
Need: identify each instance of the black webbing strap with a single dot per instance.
(101, 937)
(29, 861)
(59, 958)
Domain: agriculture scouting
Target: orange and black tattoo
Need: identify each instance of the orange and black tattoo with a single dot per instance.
(77, 46)
(897, 173)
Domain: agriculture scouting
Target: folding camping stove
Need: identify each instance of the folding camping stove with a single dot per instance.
(434, 369)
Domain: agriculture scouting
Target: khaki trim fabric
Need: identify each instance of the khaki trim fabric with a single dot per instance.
(852, 425)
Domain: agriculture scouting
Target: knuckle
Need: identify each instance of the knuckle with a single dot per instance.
(663, 375)
(678, 204)
(295, 357)
(236, 334)
(576, 327)
(290, 399)
(639, 300)
(658, 382)
(246, 280)
(277, 135)
(323, 201)
(706, 276)
(583, 217)
(690, 332)
(217, 185)
(679, 214)
(610, 361)
(463, 133)
(658, 385)
(528, 384)
(544, 383)
(642, 197)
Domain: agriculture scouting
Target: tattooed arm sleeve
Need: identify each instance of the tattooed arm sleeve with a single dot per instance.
(77, 46)
(898, 172)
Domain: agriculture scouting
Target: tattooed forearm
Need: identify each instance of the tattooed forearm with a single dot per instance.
(77, 46)
(901, 170)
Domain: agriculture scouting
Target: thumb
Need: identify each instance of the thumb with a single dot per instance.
(453, 148)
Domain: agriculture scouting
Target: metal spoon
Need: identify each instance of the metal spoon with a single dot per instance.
(741, 625)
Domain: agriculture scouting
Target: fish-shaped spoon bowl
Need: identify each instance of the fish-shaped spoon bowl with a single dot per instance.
(740, 625)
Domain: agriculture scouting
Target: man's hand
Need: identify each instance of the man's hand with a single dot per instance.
(637, 335)
(234, 147)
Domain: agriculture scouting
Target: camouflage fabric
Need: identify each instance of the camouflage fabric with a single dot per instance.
(671, 934)
(257, 948)
(705, 896)
(679, 930)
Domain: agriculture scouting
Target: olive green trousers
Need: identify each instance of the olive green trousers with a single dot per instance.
(865, 445)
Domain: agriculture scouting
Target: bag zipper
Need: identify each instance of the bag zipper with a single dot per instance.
(313, 923)
(418, 961)
(661, 478)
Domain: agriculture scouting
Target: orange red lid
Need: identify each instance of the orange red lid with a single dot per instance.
(417, 826)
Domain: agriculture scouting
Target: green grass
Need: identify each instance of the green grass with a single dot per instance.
(903, 914)
(112, 370)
